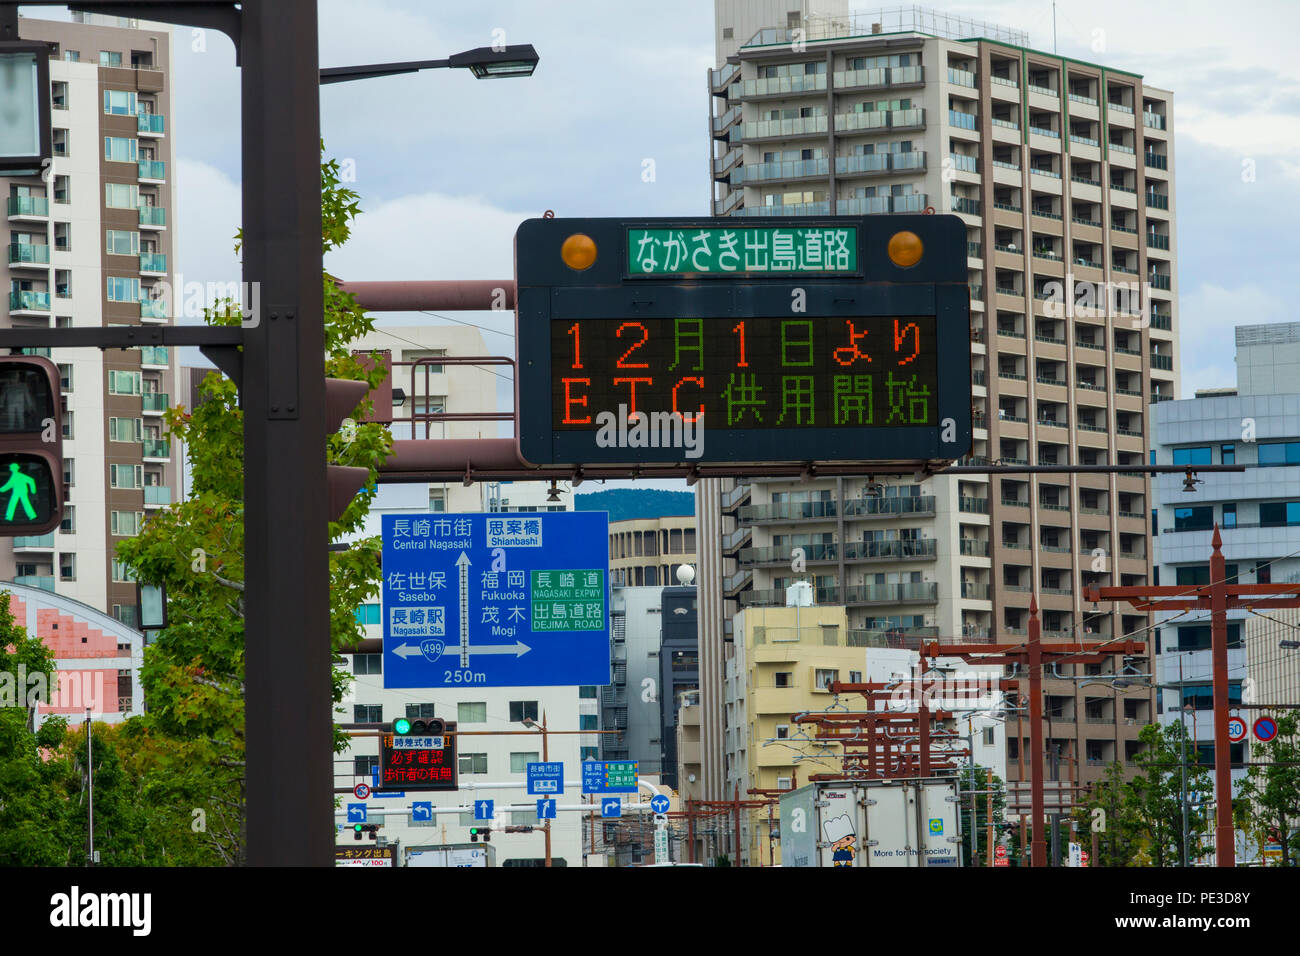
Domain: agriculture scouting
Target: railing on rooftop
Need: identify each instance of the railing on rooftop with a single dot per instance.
(909, 19)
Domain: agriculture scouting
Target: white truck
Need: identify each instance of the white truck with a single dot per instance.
(452, 854)
(872, 823)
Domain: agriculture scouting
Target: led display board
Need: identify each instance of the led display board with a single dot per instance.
(718, 341)
(418, 762)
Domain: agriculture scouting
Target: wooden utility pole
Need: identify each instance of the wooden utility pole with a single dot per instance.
(1218, 597)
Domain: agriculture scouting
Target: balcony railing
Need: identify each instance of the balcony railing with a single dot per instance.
(782, 85)
(1157, 241)
(29, 301)
(882, 507)
(29, 206)
(1115, 107)
(1160, 281)
(1080, 98)
(38, 254)
(1156, 160)
(41, 541)
(153, 355)
(155, 448)
(903, 549)
(961, 77)
(153, 262)
(965, 164)
(902, 637)
(926, 592)
(155, 402)
(965, 204)
(1004, 81)
(153, 169)
(1164, 322)
(157, 495)
(1152, 120)
(44, 582)
(974, 547)
(1053, 134)
(1165, 362)
(1005, 124)
(789, 510)
(1156, 201)
(151, 123)
(153, 216)
(979, 506)
(153, 309)
(961, 120)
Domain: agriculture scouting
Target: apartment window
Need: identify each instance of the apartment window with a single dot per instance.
(120, 242)
(120, 102)
(472, 712)
(587, 722)
(126, 523)
(60, 141)
(1272, 454)
(65, 377)
(437, 500)
(63, 284)
(68, 431)
(783, 783)
(365, 766)
(62, 189)
(855, 677)
(110, 58)
(1199, 455)
(1229, 512)
(1279, 514)
(416, 355)
(123, 383)
(67, 567)
(72, 56)
(587, 692)
(368, 713)
(121, 195)
(1228, 453)
(126, 476)
(59, 95)
(120, 149)
(824, 678)
(1194, 519)
(419, 711)
(367, 614)
(988, 737)
(473, 763)
(782, 731)
(590, 753)
(521, 709)
(69, 523)
(519, 761)
(1263, 572)
(367, 663)
(123, 289)
(783, 679)
(122, 573)
(123, 429)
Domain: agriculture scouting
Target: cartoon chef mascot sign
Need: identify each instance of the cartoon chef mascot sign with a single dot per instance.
(840, 835)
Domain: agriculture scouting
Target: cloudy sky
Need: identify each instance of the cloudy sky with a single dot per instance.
(448, 166)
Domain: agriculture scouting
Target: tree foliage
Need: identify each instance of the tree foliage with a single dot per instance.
(1269, 796)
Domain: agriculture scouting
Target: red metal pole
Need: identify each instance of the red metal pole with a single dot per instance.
(1038, 848)
(923, 719)
(1224, 842)
(455, 295)
(690, 829)
(737, 803)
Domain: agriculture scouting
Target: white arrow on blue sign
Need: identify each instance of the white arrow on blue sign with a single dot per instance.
(611, 808)
(356, 813)
(659, 804)
(546, 809)
(483, 809)
(422, 810)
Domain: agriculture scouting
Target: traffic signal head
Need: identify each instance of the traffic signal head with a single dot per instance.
(401, 726)
(360, 828)
(473, 834)
(31, 446)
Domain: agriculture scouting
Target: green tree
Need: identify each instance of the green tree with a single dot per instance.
(1118, 844)
(33, 805)
(193, 673)
(1154, 796)
(978, 782)
(1269, 795)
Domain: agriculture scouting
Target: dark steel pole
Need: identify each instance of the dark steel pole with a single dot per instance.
(286, 621)
(1224, 836)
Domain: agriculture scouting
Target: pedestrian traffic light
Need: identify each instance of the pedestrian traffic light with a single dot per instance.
(342, 396)
(31, 446)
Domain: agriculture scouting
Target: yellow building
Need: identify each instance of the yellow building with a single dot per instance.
(783, 661)
(646, 552)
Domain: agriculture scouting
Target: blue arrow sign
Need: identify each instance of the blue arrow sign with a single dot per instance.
(659, 804)
(496, 600)
(356, 813)
(546, 809)
(545, 778)
(611, 807)
(483, 809)
(422, 810)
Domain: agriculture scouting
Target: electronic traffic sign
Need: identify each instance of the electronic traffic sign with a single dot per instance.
(840, 339)
(496, 600)
(418, 763)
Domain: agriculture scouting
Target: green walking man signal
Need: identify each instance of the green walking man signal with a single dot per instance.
(31, 446)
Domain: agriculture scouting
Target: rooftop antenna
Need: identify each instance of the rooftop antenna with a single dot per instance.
(1053, 26)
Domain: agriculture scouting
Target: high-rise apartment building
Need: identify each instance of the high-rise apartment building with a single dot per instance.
(1062, 172)
(90, 243)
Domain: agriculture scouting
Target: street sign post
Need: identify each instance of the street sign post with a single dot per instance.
(609, 776)
(659, 804)
(496, 600)
(544, 778)
(661, 841)
(830, 339)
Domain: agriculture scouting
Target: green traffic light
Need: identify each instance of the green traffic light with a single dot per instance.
(401, 726)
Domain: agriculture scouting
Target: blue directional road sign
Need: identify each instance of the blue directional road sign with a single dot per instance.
(483, 809)
(659, 804)
(356, 813)
(611, 807)
(546, 809)
(496, 600)
(545, 778)
(609, 776)
(422, 810)
(377, 793)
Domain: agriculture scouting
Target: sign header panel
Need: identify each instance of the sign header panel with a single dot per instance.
(609, 776)
(496, 600)
(807, 343)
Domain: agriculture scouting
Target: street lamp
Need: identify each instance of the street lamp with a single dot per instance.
(485, 62)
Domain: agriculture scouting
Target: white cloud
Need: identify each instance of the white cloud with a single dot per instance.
(1207, 317)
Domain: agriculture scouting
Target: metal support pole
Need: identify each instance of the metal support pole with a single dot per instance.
(288, 774)
(90, 787)
(1038, 847)
(690, 829)
(1182, 721)
(737, 804)
(988, 783)
(1224, 836)
(546, 755)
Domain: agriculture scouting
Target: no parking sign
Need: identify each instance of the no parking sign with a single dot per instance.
(1265, 729)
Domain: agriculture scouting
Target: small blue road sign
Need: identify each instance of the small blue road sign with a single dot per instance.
(356, 813)
(611, 807)
(546, 809)
(659, 804)
(545, 778)
(422, 810)
(1266, 729)
(483, 809)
